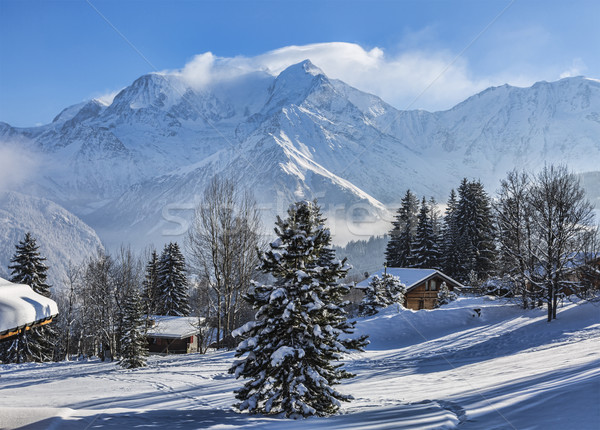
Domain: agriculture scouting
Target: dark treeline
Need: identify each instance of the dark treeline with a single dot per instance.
(365, 255)
(461, 243)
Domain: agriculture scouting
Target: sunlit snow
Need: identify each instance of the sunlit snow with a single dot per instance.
(505, 369)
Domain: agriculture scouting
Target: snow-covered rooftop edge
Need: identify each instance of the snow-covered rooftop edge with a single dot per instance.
(410, 277)
(21, 307)
(173, 326)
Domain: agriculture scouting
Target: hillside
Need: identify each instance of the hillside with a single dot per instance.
(62, 237)
(444, 368)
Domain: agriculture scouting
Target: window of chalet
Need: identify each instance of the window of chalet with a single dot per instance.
(432, 285)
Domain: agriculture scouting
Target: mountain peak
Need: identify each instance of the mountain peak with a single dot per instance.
(154, 89)
(310, 68)
(302, 69)
(294, 84)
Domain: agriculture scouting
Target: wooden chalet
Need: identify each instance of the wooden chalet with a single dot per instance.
(422, 285)
(585, 268)
(21, 308)
(172, 334)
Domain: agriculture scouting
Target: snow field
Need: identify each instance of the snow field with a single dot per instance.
(445, 368)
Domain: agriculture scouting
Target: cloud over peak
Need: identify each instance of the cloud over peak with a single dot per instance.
(409, 80)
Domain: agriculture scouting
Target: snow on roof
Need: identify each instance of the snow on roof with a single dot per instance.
(20, 306)
(173, 326)
(409, 277)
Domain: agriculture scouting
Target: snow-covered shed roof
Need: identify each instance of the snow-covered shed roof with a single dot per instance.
(21, 307)
(173, 326)
(409, 277)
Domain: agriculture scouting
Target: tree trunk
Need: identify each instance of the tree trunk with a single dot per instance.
(550, 302)
(219, 324)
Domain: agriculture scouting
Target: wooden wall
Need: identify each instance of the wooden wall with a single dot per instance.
(423, 297)
(170, 346)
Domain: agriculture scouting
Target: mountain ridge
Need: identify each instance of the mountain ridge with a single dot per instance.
(298, 135)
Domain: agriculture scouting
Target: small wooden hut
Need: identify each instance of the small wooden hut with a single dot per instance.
(172, 334)
(422, 285)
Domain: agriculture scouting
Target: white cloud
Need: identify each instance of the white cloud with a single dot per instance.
(577, 68)
(412, 79)
(107, 98)
(17, 164)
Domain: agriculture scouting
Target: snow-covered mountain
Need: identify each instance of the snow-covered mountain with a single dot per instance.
(133, 169)
(62, 237)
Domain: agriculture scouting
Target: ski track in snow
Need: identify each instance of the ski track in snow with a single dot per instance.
(508, 369)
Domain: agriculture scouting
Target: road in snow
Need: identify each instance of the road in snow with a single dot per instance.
(505, 369)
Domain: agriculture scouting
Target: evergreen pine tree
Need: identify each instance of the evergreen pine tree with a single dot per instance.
(426, 252)
(445, 296)
(150, 285)
(399, 251)
(475, 231)
(437, 234)
(172, 283)
(486, 245)
(450, 250)
(27, 267)
(374, 298)
(381, 292)
(133, 341)
(292, 347)
(394, 289)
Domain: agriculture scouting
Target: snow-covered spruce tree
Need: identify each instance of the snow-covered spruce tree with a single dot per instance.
(445, 296)
(450, 248)
(292, 348)
(436, 223)
(172, 283)
(382, 292)
(475, 231)
(150, 285)
(394, 289)
(399, 251)
(426, 249)
(27, 266)
(374, 299)
(133, 341)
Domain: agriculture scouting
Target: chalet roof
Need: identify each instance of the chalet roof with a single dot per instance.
(409, 277)
(173, 327)
(21, 307)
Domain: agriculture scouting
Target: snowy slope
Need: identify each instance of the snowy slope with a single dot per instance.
(446, 368)
(61, 236)
(296, 135)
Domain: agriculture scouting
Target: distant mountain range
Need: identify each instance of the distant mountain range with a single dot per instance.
(133, 169)
(62, 237)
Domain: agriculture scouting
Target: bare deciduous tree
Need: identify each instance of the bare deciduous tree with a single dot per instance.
(513, 218)
(68, 319)
(546, 232)
(562, 218)
(98, 307)
(222, 243)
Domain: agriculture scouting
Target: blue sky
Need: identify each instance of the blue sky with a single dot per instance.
(414, 54)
